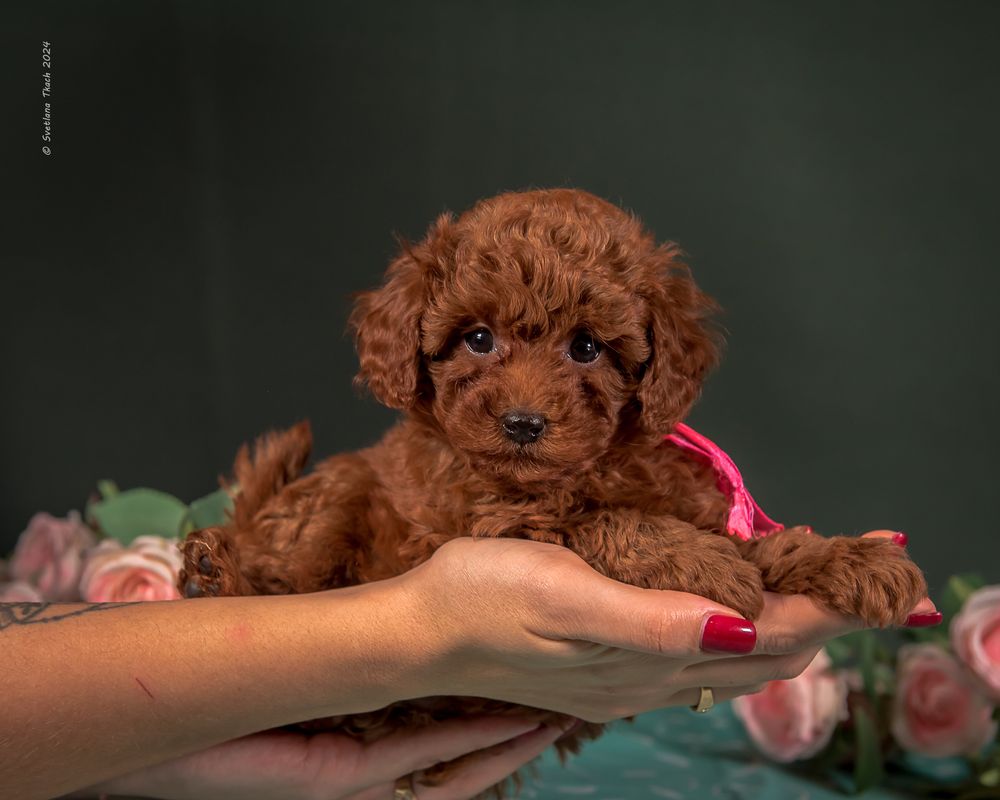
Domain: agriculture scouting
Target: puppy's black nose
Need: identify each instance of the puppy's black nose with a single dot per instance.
(523, 426)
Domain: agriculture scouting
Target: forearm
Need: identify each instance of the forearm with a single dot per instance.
(92, 691)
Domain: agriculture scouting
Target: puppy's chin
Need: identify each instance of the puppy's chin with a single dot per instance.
(521, 468)
(531, 467)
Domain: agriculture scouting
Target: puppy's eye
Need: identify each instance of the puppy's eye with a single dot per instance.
(585, 348)
(479, 341)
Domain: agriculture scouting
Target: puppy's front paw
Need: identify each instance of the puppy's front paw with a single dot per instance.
(871, 578)
(211, 568)
(736, 584)
(709, 565)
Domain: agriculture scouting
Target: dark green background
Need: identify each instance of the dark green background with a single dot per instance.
(176, 275)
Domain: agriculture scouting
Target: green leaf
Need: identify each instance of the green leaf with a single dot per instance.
(936, 635)
(885, 675)
(844, 782)
(854, 640)
(210, 510)
(139, 512)
(957, 591)
(867, 657)
(108, 489)
(868, 770)
(840, 652)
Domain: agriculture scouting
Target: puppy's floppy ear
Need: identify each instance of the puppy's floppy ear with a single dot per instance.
(684, 345)
(386, 322)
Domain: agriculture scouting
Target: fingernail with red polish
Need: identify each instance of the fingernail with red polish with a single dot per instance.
(724, 634)
(900, 538)
(926, 620)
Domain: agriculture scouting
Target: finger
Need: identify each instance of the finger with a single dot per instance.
(884, 534)
(404, 751)
(793, 622)
(749, 670)
(674, 624)
(722, 694)
(491, 766)
(897, 537)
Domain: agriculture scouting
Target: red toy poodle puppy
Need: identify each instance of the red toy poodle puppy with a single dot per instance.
(540, 347)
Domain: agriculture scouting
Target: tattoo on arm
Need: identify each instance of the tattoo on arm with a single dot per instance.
(36, 613)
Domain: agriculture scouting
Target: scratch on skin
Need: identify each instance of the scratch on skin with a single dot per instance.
(145, 689)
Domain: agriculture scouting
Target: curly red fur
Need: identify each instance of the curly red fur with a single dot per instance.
(536, 270)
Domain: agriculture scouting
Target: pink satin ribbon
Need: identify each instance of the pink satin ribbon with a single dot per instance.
(746, 519)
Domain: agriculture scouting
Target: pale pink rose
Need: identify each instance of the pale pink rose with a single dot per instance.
(938, 710)
(49, 553)
(145, 570)
(975, 637)
(19, 592)
(795, 719)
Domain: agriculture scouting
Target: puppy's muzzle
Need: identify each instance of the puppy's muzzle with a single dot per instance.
(523, 427)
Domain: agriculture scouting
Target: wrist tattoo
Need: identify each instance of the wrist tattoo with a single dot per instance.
(37, 613)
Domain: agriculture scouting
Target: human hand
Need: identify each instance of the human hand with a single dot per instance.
(532, 623)
(287, 765)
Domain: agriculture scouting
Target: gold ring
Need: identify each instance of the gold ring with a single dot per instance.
(705, 702)
(404, 789)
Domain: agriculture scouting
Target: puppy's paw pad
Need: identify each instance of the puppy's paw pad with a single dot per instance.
(196, 588)
(210, 568)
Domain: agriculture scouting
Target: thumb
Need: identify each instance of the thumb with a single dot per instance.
(668, 623)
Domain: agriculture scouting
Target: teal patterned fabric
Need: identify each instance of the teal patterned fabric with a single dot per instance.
(677, 755)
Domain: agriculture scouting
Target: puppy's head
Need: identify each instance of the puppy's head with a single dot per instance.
(536, 330)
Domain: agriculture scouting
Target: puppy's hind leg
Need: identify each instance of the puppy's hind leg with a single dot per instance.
(212, 555)
(211, 566)
(311, 536)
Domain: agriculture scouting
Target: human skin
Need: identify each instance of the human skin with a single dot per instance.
(97, 692)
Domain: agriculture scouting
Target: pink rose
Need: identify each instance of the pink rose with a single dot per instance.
(145, 570)
(938, 711)
(19, 592)
(795, 719)
(49, 553)
(975, 637)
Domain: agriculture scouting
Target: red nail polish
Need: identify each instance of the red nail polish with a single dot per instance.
(724, 634)
(900, 538)
(926, 620)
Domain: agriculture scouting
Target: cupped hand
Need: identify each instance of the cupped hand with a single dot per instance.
(289, 765)
(520, 621)
(532, 623)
